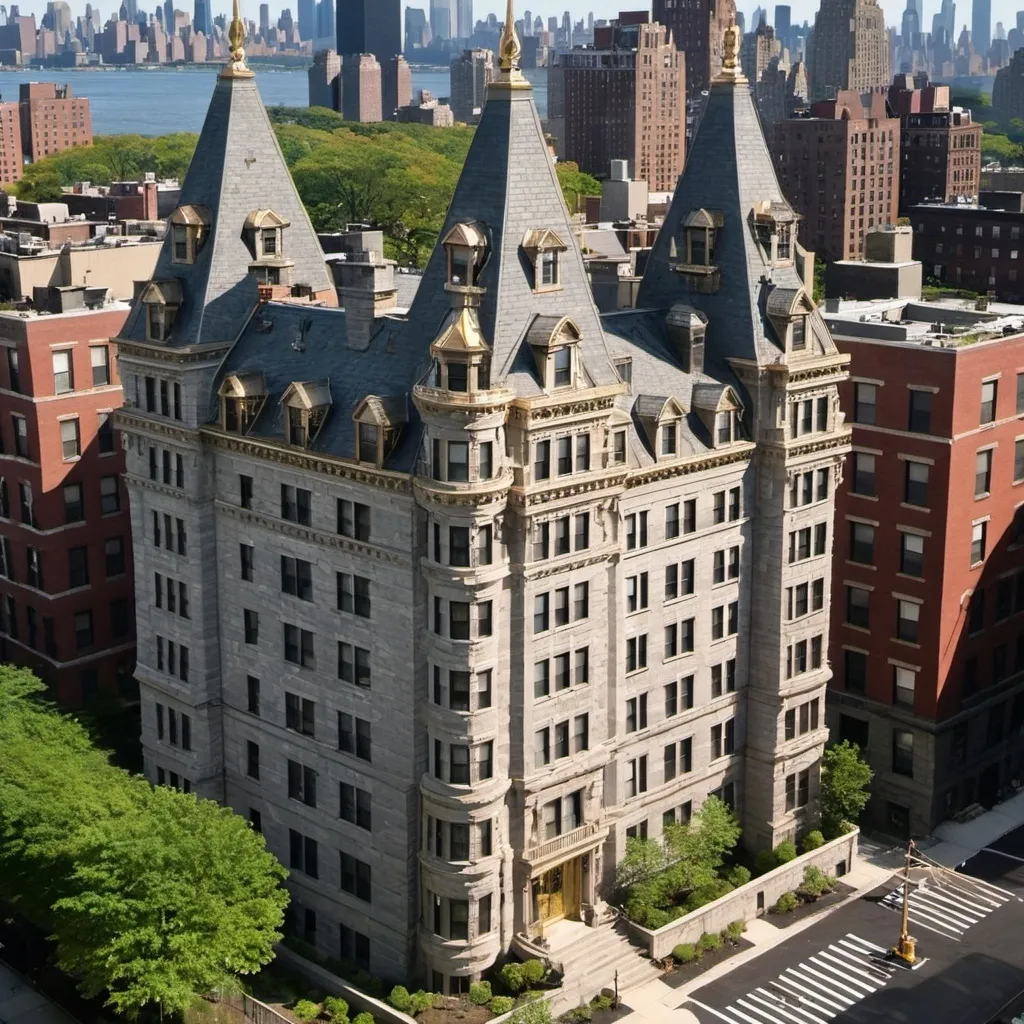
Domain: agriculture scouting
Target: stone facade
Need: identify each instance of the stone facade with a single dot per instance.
(848, 48)
(476, 598)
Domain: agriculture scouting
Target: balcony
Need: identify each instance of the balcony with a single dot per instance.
(564, 843)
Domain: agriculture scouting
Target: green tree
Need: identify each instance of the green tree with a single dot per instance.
(152, 896)
(576, 185)
(845, 778)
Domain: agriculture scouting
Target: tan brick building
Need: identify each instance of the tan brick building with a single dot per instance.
(848, 48)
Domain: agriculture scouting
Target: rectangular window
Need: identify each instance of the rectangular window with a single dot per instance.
(252, 766)
(983, 472)
(356, 878)
(908, 616)
(903, 685)
(858, 607)
(564, 448)
(353, 519)
(903, 753)
(920, 416)
(862, 543)
(979, 534)
(354, 806)
(619, 447)
(636, 653)
(63, 372)
(672, 521)
(864, 399)
(582, 453)
(252, 686)
(70, 441)
(104, 433)
(916, 484)
(863, 473)
(1018, 461)
(542, 460)
(989, 389)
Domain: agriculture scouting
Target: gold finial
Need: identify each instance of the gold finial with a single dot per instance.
(236, 68)
(730, 52)
(510, 48)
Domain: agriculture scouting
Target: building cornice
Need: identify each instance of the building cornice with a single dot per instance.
(163, 354)
(521, 497)
(552, 407)
(741, 452)
(127, 418)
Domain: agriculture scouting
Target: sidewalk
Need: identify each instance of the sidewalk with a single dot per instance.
(952, 844)
(22, 1004)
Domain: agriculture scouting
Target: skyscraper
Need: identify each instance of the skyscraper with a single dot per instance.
(849, 48)
(783, 15)
(441, 19)
(463, 18)
(307, 19)
(696, 29)
(527, 23)
(264, 19)
(370, 26)
(981, 26)
(202, 20)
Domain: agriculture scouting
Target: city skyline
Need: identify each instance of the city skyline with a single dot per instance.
(1002, 10)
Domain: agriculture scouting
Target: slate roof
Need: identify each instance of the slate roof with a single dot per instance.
(728, 169)
(508, 185)
(237, 169)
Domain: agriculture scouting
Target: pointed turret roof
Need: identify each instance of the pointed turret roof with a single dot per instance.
(237, 172)
(729, 174)
(509, 192)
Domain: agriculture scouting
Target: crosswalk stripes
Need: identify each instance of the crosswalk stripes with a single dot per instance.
(948, 908)
(814, 991)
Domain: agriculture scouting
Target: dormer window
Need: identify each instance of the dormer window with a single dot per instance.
(669, 432)
(798, 336)
(543, 248)
(458, 376)
(189, 228)
(789, 311)
(718, 407)
(725, 427)
(242, 396)
(773, 225)
(661, 419)
(462, 357)
(379, 422)
(161, 301)
(562, 367)
(305, 405)
(465, 248)
(700, 229)
(269, 238)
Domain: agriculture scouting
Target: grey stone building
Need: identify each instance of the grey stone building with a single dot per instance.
(451, 602)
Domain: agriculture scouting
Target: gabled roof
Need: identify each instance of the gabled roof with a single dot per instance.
(309, 394)
(729, 172)
(244, 385)
(461, 334)
(265, 219)
(509, 186)
(237, 167)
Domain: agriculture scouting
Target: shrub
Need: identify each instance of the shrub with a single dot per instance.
(707, 893)
(501, 1004)
(336, 1009)
(400, 999)
(534, 971)
(601, 1002)
(816, 883)
(734, 929)
(685, 953)
(709, 941)
(536, 1012)
(813, 840)
(421, 1001)
(480, 993)
(785, 852)
(512, 976)
(764, 862)
(785, 903)
(579, 1015)
(306, 1009)
(363, 1018)
(737, 875)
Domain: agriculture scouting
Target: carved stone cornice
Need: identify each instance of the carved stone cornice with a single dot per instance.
(133, 479)
(598, 400)
(838, 444)
(163, 354)
(126, 418)
(541, 570)
(309, 462)
(573, 487)
(684, 467)
(484, 494)
(307, 533)
(464, 405)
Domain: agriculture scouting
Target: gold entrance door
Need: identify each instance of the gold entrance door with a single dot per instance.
(551, 902)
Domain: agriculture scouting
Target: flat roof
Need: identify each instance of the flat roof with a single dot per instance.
(115, 306)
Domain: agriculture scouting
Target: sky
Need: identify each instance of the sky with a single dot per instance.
(1002, 10)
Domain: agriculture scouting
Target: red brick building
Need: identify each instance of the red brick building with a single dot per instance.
(52, 119)
(66, 593)
(12, 163)
(927, 644)
(840, 170)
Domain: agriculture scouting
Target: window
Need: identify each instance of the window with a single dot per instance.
(619, 447)
(83, 630)
(252, 689)
(356, 880)
(110, 495)
(63, 372)
(353, 519)
(21, 436)
(105, 434)
(911, 554)
(982, 472)
(252, 626)
(863, 473)
(113, 553)
(354, 736)
(542, 460)
(671, 521)
(13, 371)
(299, 713)
(979, 533)
(303, 854)
(903, 685)
(297, 578)
(301, 783)
(636, 530)
(245, 490)
(99, 357)
(916, 484)
(78, 567)
(252, 765)
(562, 364)
(988, 401)
(858, 607)
(864, 398)
(636, 777)
(636, 653)
(296, 504)
(908, 615)
(1018, 461)
(298, 646)
(903, 753)
(920, 416)
(862, 543)
(247, 556)
(70, 441)
(74, 510)
(458, 461)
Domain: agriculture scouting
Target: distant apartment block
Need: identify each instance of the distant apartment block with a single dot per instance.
(52, 120)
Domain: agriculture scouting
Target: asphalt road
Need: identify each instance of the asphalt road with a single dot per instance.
(970, 928)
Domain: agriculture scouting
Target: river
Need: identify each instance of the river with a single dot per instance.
(159, 100)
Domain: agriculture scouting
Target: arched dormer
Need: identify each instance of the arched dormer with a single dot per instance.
(379, 422)
(544, 248)
(555, 343)
(189, 224)
(265, 234)
(662, 420)
(466, 248)
(789, 312)
(161, 301)
(692, 251)
(241, 398)
(775, 228)
(305, 405)
(718, 407)
(462, 357)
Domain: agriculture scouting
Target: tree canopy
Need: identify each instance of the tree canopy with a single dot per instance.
(845, 777)
(397, 177)
(150, 895)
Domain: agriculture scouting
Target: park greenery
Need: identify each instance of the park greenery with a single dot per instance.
(399, 178)
(845, 777)
(151, 897)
